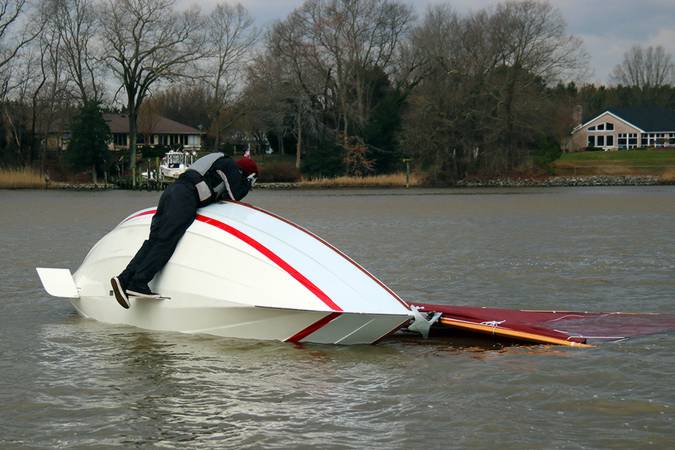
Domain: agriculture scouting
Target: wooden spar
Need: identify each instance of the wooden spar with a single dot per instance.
(489, 329)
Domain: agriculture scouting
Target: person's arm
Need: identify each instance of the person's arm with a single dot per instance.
(236, 185)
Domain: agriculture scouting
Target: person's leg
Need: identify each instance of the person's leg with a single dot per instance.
(128, 273)
(178, 214)
(121, 281)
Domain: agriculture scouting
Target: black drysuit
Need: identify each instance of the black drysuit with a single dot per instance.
(209, 179)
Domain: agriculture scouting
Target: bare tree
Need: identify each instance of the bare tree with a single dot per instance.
(534, 39)
(446, 109)
(146, 42)
(482, 102)
(342, 41)
(286, 70)
(15, 35)
(274, 93)
(535, 48)
(20, 81)
(75, 21)
(11, 43)
(48, 94)
(645, 68)
(230, 38)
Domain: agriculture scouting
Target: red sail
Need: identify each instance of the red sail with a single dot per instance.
(571, 328)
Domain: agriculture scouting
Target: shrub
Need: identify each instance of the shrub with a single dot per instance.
(278, 172)
(546, 151)
(325, 160)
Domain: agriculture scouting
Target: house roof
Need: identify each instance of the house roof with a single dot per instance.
(648, 118)
(155, 124)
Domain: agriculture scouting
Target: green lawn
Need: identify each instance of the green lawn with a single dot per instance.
(625, 162)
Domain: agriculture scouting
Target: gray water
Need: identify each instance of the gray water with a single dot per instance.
(70, 382)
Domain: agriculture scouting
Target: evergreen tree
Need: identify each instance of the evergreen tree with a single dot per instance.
(88, 146)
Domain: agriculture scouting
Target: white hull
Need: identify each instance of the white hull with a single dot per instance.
(240, 272)
(243, 322)
(172, 172)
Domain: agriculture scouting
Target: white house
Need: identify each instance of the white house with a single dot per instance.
(625, 128)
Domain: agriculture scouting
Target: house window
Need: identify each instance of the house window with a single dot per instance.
(601, 127)
(622, 142)
(610, 141)
(609, 126)
(632, 139)
(591, 128)
(591, 141)
(600, 141)
(119, 139)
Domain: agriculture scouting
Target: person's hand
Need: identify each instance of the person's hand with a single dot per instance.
(252, 179)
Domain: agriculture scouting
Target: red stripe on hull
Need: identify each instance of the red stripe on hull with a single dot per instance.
(274, 258)
(335, 249)
(144, 213)
(316, 326)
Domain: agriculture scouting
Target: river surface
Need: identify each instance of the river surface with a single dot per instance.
(70, 382)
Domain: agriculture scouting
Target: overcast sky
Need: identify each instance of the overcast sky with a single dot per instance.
(607, 27)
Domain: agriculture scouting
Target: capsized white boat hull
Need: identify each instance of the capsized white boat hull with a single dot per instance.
(240, 272)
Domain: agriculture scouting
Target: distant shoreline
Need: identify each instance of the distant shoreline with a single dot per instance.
(506, 182)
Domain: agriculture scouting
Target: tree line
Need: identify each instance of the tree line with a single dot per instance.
(346, 86)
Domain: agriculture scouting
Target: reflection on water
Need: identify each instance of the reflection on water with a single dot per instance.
(69, 382)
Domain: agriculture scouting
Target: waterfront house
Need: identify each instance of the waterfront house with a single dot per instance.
(152, 130)
(626, 128)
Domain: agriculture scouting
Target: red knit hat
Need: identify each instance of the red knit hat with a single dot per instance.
(248, 166)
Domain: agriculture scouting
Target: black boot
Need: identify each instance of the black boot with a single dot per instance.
(120, 292)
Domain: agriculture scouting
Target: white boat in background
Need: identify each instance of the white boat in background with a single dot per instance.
(174, 163)
(240, 272)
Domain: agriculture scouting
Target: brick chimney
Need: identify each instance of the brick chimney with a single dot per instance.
(577, 115)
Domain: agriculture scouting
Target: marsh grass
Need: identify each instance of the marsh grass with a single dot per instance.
(390, 180)
(668, 176)
(21, 178)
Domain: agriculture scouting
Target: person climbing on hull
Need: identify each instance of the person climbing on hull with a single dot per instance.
(211, 178)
